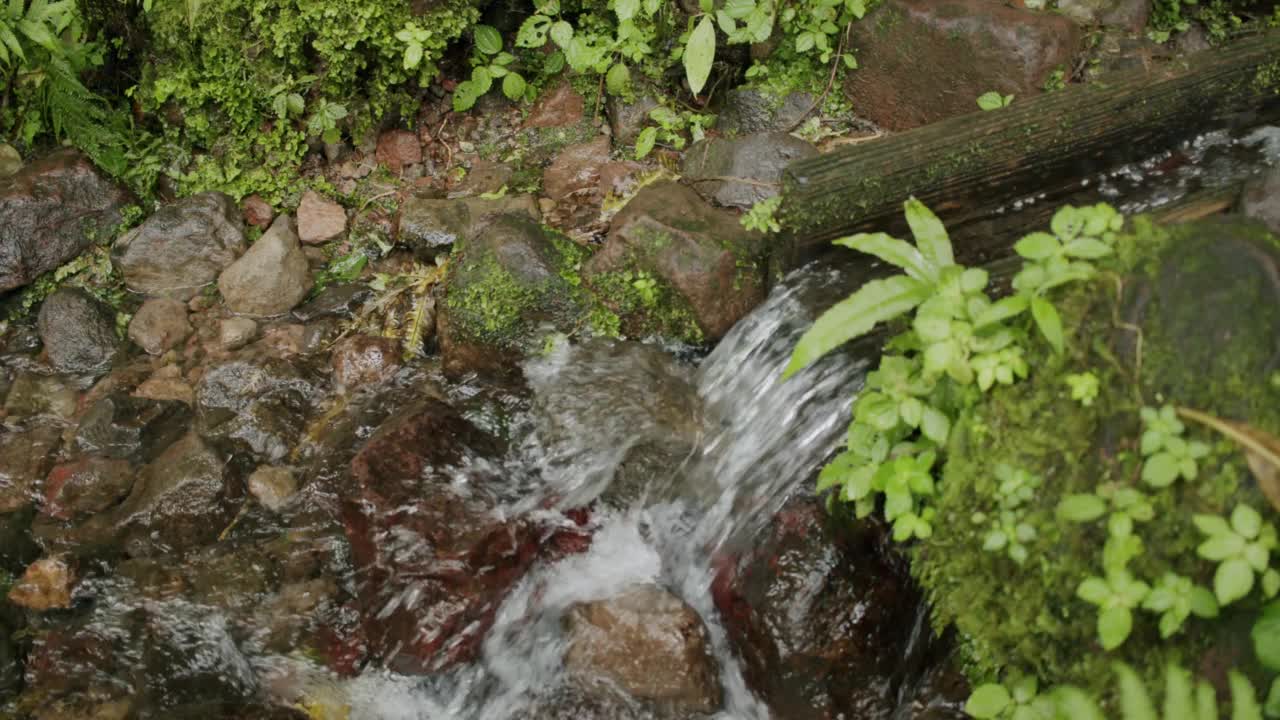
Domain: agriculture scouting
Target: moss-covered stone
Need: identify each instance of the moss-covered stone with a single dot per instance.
(1207, 304)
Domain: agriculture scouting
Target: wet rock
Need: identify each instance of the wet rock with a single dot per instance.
(50, 211)
(256, 403)
(257, 212)
(320, 219)
(432, 226)
(560, 106)
(86, 486)
(398, 149)
(433, 558)
(757, 159)
(628, 118)
(78, 332)
(10, 161)
(576, 169)
(26, 454)
(1132, 15)
(1262, 200)
(272, 486)
(166, 388)
(707, 271)
(619, 178)
(820, 616)
(506, 281)
(340, 301)
(970, 47)
(484, 176)
(32, 395)
(749, 110)
(177, 502)
(23, 339)
(160, 324)
(649, 643)
(46, 585)
(600, 701)
(362, 360)
(235, 333)
(122, 426)
(271, 278)
(182, 247)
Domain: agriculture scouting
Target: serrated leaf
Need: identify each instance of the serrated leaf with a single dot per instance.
(1087, 248)
(626, 9)
(561, 34)
(699, 54)
(875, 302)
(991, 101)
(1001, 310)
(1037, 246)
(513, 86)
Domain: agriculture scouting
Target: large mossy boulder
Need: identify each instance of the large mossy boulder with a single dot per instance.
(1187, 316)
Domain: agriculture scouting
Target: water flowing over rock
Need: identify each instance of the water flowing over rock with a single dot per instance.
(50, 212)
(160, 324)
(742, 172)
(78, 332)
(177, 502)
(86, 486)
(256, 404)
(46, 585)
(271, 278)
(362, 360)
(26, 455)
(122, 426)
(712, 265)
(927, 60)
(182, 247)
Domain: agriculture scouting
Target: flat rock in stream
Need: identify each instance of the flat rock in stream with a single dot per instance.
(51, 211)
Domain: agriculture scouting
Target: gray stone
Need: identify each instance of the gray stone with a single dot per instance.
(50, 212)
(32, 395)
(182, 247)
(748, 110)
(431, 226)
(757, 159)
(176, 503)
(1131, 15)
(271, 278)
(133, 428)
(235, 333)
(160, 324)
(340, 300)
(78, 332)
(256, 404)
(628, 118)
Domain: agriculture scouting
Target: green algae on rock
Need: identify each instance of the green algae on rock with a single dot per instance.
(1205, 302)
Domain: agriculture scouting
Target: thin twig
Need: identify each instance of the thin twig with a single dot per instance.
(831, 78)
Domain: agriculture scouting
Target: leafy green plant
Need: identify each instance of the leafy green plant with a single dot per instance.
(672, 125)
(1083, 386)
(1009, 532)
(763, 216)
(1175, 598)
(1168, 455)
(1117, 595)
(994, 101)
(1127, 506)
(1242, 548)
(488, 63)
(1020, 700)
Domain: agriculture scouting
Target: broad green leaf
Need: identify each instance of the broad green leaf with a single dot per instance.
(991, 100)
(1244, 699)
(699, 54)
(1135, 703)
(39, 34)
(935, 426)
(1221, 547)
(1206, 701)
(1232, 581)
(804, 42)
(898, 253)
(1001, 310)
(1211, 524)
(1160, 470)
(1266, 637)
(645, 141)
(1094, 591)
(513, 86)
(1246, 521)
(412, 56)
(929, 233)
(1046, 317)
(1203, 603)
(465, 95)
(1087, 248)
(1076, 704)
(488, 39)
(1037, 246)
(482, 79)
(618, 79)
(1272, 706)
(533, 32)
(626, 9)
(561, 34)
(1067, 222)
(1114, 626)
(1084, 507)
(1178, 694)
(988, 701)
(875, 302)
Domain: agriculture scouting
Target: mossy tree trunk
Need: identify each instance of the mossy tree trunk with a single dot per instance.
(974, 170)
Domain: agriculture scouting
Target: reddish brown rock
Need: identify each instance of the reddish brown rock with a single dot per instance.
(926, 60)
(86, 486)
(257, 212)
(560, 107)
(362, 360)
(320, 219)
(576, 169)
(398, 149)
(45, 585)
(159, 325)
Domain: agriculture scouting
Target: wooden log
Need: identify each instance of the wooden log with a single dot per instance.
(972, 170)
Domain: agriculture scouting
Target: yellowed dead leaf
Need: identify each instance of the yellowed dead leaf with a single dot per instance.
(1261, 449)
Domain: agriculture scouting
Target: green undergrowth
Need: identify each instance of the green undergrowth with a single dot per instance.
(1069, 466)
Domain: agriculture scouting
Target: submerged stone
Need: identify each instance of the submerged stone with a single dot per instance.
(78, 332)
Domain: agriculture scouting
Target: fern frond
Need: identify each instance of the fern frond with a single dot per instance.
(83, 118)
